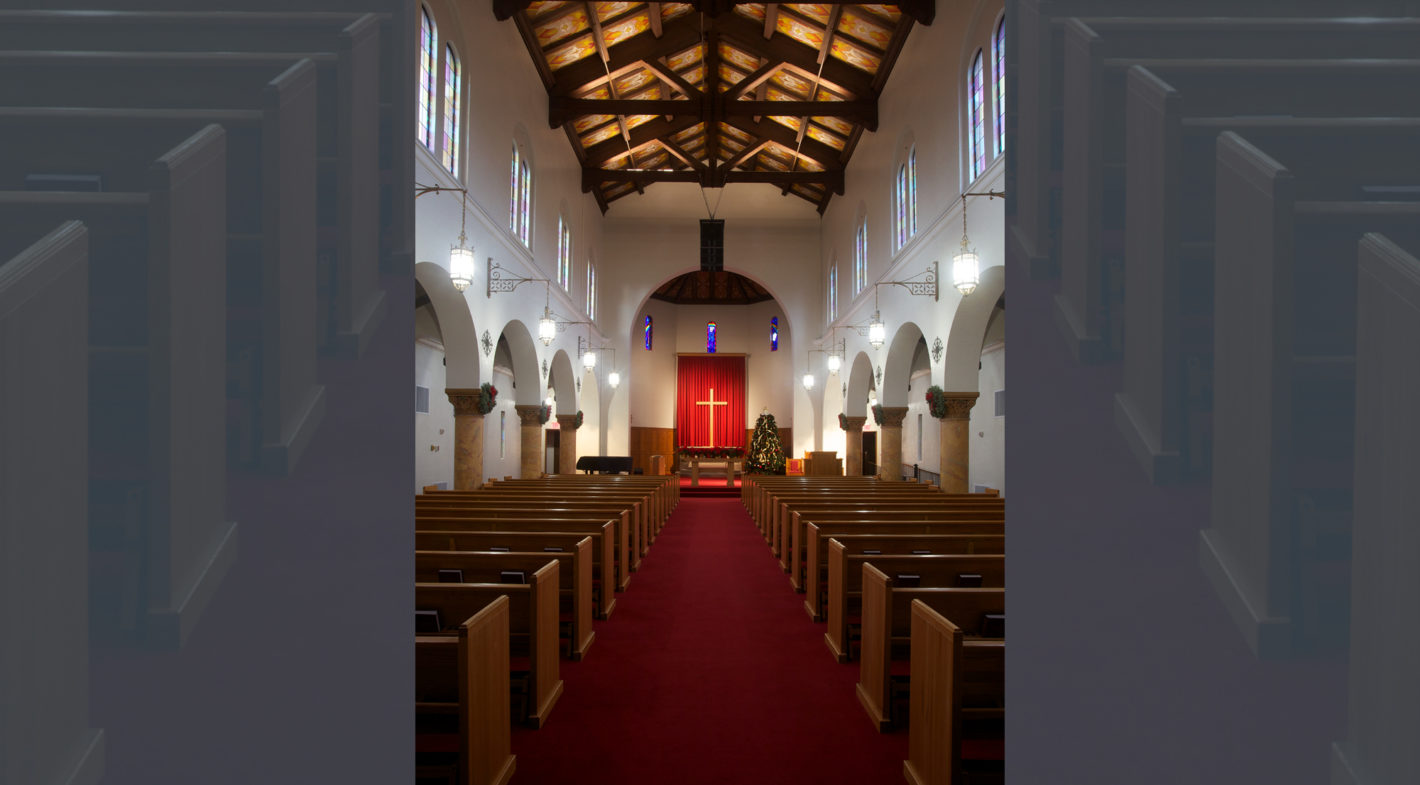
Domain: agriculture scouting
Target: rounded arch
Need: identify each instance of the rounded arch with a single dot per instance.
(562, 381)
(455, 324)
(860, 380)
(968, 330)
(527, 378)
(785, 327)
(898, 369)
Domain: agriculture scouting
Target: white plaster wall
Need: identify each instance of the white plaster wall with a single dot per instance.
(503, 418)
(919, 420)
(988, 432)
(435, 429)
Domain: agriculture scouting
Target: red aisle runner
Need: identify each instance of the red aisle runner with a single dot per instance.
(709, 672)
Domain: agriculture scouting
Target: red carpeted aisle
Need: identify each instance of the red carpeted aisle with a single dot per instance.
(709, 672)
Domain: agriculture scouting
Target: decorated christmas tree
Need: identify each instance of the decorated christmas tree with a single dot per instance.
(766, 454)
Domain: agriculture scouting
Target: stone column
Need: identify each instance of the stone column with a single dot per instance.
(468, 439)
(853, 446)
(956, 442)
(567, 451)
(890, 446)
(532, 460)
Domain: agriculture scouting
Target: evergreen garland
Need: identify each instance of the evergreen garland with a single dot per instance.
(766, 453)
(487, 398)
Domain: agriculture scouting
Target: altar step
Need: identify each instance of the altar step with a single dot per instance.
(720, 492)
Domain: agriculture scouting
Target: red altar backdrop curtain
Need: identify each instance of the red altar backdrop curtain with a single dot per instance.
(695, 378)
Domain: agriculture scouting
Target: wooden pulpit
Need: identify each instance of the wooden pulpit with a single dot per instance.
(823, 464)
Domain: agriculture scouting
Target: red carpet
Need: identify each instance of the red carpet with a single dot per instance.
(709, 672)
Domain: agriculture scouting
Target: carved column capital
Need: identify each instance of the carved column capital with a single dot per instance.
(854, 423)
(959, 405)
(893, 416)
(567, 422)
(529, 415)
(465, 401)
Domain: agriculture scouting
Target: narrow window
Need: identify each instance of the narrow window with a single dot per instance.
(426, 79)
(710, 338)
(452, 90)
(999, 80)
(591, 291)
(833, 292)
(646, 333)
(976, 132)
(860, 258)
(774, 334)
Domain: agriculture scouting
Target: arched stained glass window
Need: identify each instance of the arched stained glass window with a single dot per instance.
(976, 133)
(452, 91)
(906, 197)
(833, 291)
(998, 56)
(425, 122)
(710, 337)
(646, 333)
(774, 334)
(520, 198)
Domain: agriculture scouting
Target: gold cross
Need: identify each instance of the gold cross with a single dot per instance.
(712, 403)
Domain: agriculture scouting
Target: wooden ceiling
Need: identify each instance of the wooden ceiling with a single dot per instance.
(713, 92)
(717, 287)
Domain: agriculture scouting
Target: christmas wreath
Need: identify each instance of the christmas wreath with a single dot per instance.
(544, 414)
(937, 402)
(842, 422)
(878, 413)
(579, 420)
(487, 398)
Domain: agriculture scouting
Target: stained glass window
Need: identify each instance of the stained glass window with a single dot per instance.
(591, 290)
(520, 199)
(833, 291)
(426, 78)
(646, 333)
(564, 254)
(999, 58)
(976, 133)
(860, 258)
(912, 192)
(710, 337)
(774, 334)
(906, 198)
(451, 110)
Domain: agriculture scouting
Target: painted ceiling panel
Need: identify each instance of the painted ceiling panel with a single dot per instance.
(815, 11)
(625, 29)
(571, 53)
(819, 134)
(868, 31)
(804, 34)
(562, 27)
(606, 11)
(754, 11)
(856, 56)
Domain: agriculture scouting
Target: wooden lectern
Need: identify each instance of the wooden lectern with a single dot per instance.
(823, 464)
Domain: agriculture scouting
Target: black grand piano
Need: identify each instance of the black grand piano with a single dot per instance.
(604, 464)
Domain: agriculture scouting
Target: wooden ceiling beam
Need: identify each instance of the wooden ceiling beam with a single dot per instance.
(816, 151)
(602, 153)
(754, 81)
(747, 35)
(673, 79)
(592, 178)
(714, 106)
(597, 32)
(685, 157)
(654, 9)
(563, 110)
(771, 19)
(503, 9)
(530, 41)
(676, 35)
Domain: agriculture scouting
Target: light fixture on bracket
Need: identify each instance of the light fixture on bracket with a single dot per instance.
(547, 327)
(584, 351)
(925, 287)
(461, 265)
(836, 351)
(966, 264)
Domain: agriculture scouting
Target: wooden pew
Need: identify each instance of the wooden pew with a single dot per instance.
(574, 578)
(1097, 54)
(623, 540)
(1163, 408)
(663, 492)
(1036, 43)
(351, 304)
(858, 537)
(462, 700)
(1384, 646)
(44, 495)
(954, 676)
(603, 573)
(1285, 327)
(602, 532)
(532, 620)
(634, 508)
(887, 628)
(146, 362)
(845, 583)
(793, 553)
(271, 286)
